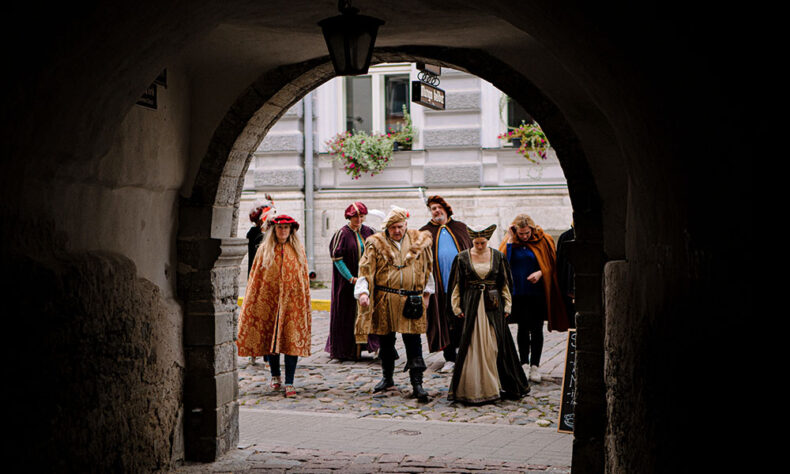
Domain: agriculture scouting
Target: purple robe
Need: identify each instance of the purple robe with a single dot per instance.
(340, 344)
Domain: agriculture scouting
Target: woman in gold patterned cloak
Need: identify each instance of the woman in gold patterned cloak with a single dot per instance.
(276, 316)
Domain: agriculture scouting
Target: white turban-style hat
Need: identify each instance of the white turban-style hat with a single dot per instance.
(396, 214)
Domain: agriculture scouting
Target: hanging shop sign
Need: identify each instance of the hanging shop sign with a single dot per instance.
(425, 91)
(427, 95)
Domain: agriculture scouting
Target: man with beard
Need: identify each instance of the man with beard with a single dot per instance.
(450, 237)
(392, 288)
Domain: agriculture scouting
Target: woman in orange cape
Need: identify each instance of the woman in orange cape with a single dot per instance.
(532, 256)
(276, 315)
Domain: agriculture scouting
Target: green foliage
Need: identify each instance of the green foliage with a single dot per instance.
(406, 134)
(360, 153)
(532, 138)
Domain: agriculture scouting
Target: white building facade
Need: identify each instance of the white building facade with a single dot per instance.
(456, 154)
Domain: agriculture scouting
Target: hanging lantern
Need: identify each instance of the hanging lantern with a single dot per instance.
(350, 38)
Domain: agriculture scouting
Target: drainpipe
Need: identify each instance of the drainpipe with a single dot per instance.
(309, 175)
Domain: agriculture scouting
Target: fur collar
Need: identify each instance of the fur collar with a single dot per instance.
(420, 240)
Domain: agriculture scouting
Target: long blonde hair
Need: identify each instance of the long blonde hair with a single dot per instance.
(270, 242)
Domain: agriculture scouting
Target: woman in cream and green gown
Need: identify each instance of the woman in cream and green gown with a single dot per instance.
(487, 367)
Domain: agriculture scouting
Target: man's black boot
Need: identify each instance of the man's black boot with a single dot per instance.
(416, 383)
(387, 369)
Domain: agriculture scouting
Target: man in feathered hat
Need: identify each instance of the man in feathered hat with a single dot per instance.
(392, 288)
(450, 237)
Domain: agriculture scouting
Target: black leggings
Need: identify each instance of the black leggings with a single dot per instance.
(411, 342)
(529, 311)
(290, 367)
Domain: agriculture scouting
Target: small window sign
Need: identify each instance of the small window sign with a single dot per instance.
(148, 99)
(430, 68)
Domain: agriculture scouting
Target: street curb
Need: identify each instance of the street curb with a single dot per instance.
(320, 305)
(317, 305)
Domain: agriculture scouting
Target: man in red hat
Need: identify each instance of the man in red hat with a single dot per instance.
(449, 238)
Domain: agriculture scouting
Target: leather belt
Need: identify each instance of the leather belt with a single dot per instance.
(399, 292)
(481, 286)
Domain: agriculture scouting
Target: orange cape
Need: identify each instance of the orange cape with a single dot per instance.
(276, 315)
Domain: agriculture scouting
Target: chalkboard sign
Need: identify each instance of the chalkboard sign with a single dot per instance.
(567, 400)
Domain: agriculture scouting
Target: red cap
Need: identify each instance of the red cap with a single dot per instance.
(285, 219)
(356, 208)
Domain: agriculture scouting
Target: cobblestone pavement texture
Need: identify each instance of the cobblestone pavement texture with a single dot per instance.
(327, 387)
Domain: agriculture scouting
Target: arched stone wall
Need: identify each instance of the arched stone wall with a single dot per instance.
(212, 213)
(209, 256)
(664, 76)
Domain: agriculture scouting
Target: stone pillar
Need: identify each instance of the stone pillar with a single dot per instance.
(618, 342)
(208, 284)
(588, 259)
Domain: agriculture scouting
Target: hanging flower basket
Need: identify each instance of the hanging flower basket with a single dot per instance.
(360, 153)
(530, 140)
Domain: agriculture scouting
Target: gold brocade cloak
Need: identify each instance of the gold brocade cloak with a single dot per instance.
(276, 315)
(383, 264)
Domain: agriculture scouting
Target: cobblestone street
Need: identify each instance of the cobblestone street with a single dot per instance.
(330, 386)
(337, 424)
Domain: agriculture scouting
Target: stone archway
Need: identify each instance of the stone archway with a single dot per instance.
(209, 252)
(663, 84)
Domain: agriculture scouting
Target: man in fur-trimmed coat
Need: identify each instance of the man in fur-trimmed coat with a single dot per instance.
(396, 264)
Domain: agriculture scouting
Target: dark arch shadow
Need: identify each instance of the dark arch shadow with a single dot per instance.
(209, 253)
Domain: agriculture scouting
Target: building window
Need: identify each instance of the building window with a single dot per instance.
(374, 103)
(359, 104)
(396, 95)
(516, 114)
